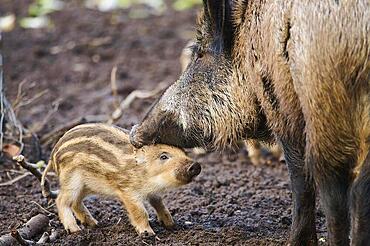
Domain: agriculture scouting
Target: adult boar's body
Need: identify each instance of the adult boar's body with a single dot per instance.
(296, 71)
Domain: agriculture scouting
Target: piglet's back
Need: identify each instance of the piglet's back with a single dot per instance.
(105, 143)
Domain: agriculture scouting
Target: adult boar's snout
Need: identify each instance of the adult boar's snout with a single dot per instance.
(134, 139)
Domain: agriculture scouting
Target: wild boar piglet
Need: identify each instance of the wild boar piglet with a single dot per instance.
(99, 159)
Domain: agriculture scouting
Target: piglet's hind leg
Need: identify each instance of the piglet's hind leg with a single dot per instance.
(64, 203)
(82, 213)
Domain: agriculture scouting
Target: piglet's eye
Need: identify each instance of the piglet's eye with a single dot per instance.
(163, 157)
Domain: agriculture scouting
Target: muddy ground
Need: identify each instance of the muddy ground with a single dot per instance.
(232, 202)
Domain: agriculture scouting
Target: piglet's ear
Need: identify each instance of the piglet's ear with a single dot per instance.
(219, 14)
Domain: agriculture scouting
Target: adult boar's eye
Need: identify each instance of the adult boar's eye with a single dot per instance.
(198, 52)
(200, 55)
(164, 157)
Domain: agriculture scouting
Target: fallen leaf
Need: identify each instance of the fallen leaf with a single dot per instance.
(40, 164)
(7, 23)
(35, 22)
(11, 150)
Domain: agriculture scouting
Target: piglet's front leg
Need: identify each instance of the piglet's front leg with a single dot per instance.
(137, 214)
(163, 214)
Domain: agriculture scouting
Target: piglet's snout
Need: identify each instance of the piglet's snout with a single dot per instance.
(194, 170)
(186, 173)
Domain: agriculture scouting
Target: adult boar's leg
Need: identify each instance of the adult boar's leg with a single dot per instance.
(360, 206)
(303, 230)
(333, 187)
(330, 157)
(331, 143)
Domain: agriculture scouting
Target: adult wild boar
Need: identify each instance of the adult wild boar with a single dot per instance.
(294, 70)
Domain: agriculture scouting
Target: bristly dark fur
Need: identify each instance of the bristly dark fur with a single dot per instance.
(219, 19)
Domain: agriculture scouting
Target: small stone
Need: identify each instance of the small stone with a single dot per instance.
(286, 220)
(322, 240)
(211, 209)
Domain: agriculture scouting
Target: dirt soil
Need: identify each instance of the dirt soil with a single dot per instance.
(232, 202)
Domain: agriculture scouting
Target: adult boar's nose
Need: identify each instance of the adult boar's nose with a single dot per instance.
(134, 138)
(194, 169)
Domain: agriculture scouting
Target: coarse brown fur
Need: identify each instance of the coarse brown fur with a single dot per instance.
(99, 159)
(296, 71)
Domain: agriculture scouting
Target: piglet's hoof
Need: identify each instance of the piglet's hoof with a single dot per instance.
(91, 224)
(73, 230)
(149, 238)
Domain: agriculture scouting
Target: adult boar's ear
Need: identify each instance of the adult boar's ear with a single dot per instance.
(219, 14)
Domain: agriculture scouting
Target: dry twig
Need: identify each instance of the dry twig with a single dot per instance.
(15, 234)
(33, 227)
(20, 93)
(12, 181)
(44, 238)
(53, 236)
(12, 125)
(96, 42)
(21, 102)
(11, 130)
(142, 94)
(42, 208)
(39, 126)
(46, 190)
(2, 106)
(113, 83)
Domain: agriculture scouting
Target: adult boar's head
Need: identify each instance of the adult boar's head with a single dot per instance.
(208, 106)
